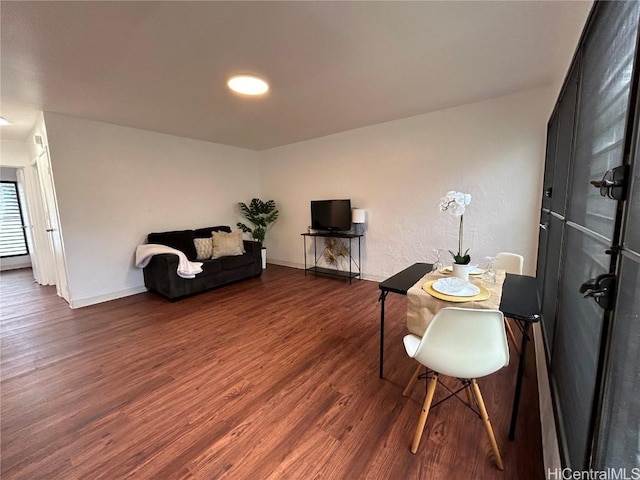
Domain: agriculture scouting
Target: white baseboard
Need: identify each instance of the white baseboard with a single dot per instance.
(550, 447)
(284, 263)
(85, 302)
(6, 265)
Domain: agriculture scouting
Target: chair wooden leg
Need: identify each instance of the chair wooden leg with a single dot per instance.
(487, 424)
(512, 337)
(412, 382)
(431, 389)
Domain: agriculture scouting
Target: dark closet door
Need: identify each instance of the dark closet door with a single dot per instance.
(618, 444)
(543, 240)
(547, 187)
(579, 343)
(563, 124)
(550, 164)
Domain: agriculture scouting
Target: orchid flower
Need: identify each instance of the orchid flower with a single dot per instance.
(456, 203)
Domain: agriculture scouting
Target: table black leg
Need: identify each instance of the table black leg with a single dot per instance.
(516, 397)
(383, 296)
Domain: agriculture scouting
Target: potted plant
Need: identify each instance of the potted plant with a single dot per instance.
(260, 214)
(456, 203)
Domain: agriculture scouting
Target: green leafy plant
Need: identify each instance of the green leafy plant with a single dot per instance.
(260, 214)
(461, 259)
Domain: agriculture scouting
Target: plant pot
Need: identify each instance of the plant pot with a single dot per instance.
(263, 251)
(462, 271)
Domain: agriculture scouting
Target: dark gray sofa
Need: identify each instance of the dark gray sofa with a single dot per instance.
(160, 274)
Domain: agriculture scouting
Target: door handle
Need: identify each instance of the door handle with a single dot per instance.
(614, 183)
(601, 289)
(605, 183)
(544, 226)
(50, 229)
(588, 285)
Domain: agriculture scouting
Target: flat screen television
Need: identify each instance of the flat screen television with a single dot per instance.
(331, 215)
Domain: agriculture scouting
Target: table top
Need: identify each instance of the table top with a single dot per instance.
(404, 280)
(520, 298)
(519, 292)
(332, 234)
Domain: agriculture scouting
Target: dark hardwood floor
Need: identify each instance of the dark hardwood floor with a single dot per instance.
(271, 378)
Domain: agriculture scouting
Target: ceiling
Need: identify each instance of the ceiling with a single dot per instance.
(332, 66)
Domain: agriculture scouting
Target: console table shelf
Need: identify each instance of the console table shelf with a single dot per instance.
(317, 270)
(332, 272)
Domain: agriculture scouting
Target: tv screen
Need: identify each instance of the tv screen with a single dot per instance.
(331, 215)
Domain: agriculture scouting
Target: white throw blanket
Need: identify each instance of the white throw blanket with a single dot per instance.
(186, 268)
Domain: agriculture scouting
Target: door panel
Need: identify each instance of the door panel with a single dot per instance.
(543, 238)
(53, 224)
(619, 441)
(574, 363)
(563, 160)
(602, 115)
(547, 183)
(550, 296)
(631, 240)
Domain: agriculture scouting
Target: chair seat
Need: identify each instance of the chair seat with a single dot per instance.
(411, 344)
(460, 364)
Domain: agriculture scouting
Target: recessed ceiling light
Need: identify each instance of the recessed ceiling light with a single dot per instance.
(248, 84)
(4, 121)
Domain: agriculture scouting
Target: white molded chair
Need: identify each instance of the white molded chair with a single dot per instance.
(511, 263)
(463, 343)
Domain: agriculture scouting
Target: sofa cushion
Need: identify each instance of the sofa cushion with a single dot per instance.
(206, 232)
(180, 240)
(229, 263)
(210, 267)
(204, 248)
(226, 244)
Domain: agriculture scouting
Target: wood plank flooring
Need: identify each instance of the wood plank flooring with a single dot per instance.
(270, 378)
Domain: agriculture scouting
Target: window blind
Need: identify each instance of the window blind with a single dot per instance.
(13, 241)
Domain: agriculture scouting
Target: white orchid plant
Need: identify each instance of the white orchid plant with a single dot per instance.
(456, 203)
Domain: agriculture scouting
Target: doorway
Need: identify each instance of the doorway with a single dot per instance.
(14, 245)
(35, 183)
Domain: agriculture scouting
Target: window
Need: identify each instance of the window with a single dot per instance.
(13, 240)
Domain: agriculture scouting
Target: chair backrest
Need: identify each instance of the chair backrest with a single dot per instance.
(511, 262)
(464, 343)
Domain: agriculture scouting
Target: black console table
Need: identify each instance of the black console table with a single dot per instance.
(316, 270)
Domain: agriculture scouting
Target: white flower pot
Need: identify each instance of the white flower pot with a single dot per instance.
(462, 271)
(263, 251)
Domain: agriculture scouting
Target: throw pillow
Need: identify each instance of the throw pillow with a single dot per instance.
(180, 240)
(204, 248)
(227, 244)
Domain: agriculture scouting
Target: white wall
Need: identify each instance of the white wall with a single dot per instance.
(116, 184)
(8, 174)
(13, 154)
(398, 171)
